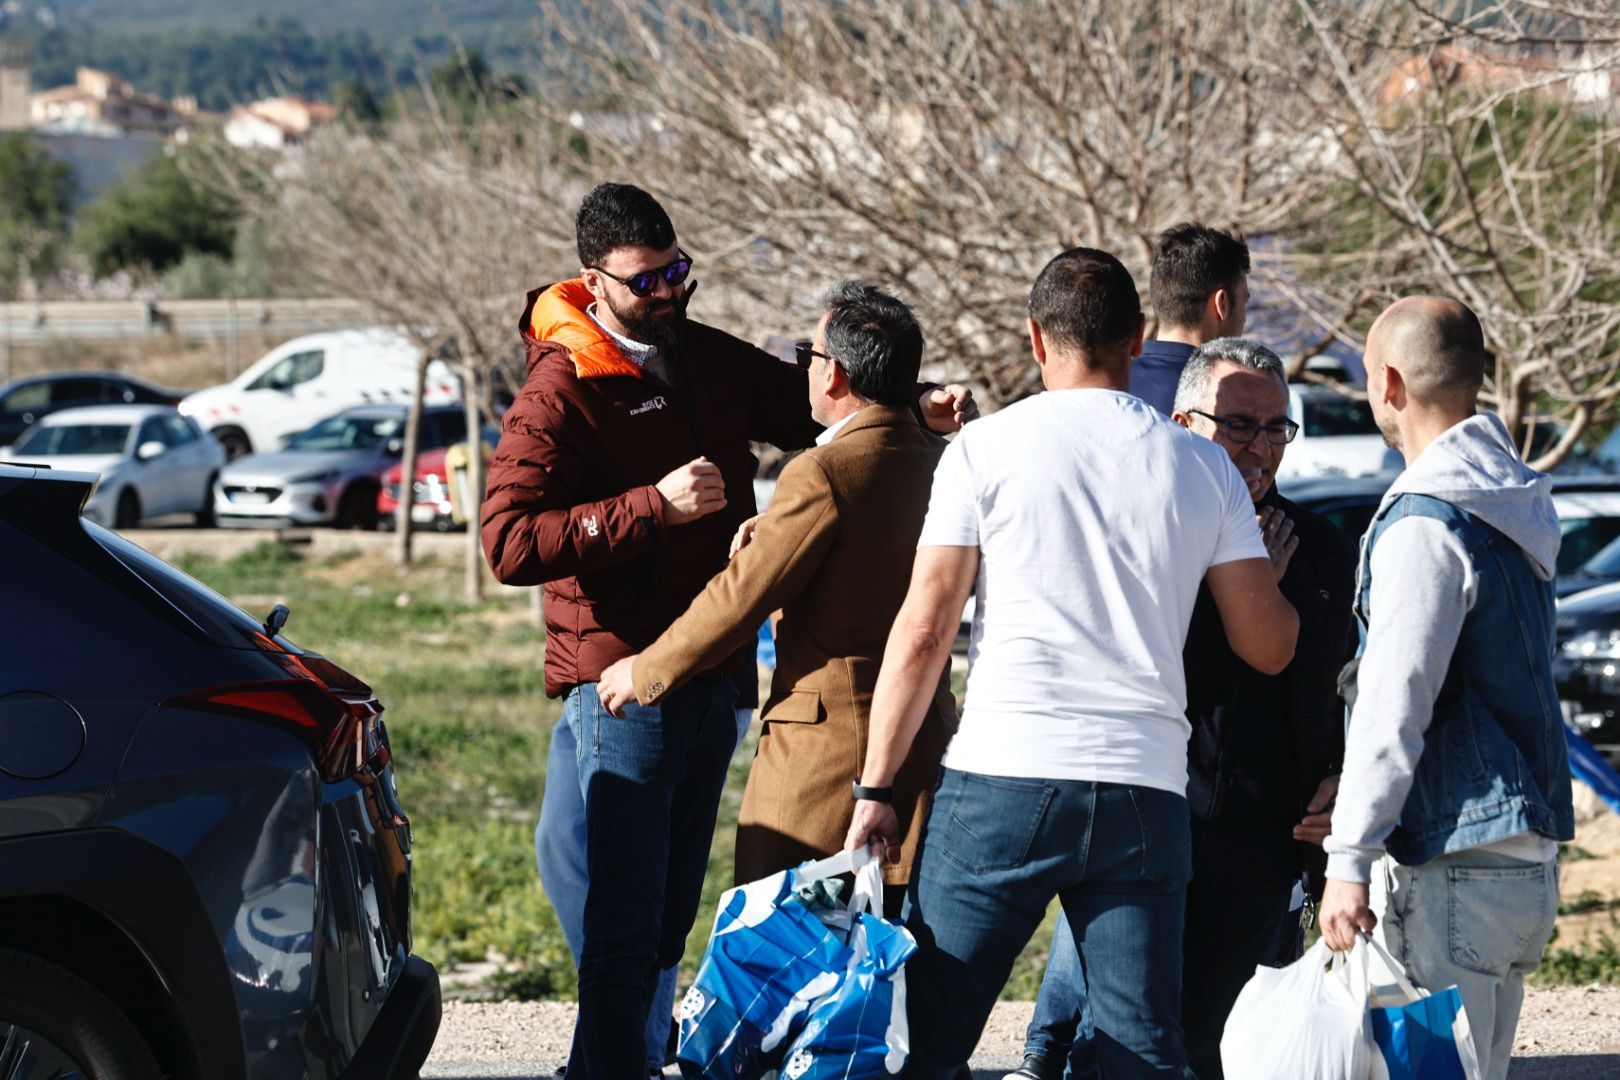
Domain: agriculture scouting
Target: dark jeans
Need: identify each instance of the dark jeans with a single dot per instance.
(1237, 920)
(652, 781)
(996, 851)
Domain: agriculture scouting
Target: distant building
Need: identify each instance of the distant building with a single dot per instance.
(13, 86)
(1572, 75)
(101, 103)
(276, 123)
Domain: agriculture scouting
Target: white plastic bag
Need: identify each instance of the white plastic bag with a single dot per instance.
(1304, 1020)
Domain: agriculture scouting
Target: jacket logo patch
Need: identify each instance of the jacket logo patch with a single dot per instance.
(591, 528)
(648, 406)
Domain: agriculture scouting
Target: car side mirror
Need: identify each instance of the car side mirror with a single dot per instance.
(149, 450)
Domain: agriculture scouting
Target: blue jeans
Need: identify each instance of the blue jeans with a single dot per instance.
(559, 852)
(996, 851)
(1475, 920)
(650, 782)
(1237, 919)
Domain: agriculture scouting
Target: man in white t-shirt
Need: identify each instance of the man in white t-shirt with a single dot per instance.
(1085, 522)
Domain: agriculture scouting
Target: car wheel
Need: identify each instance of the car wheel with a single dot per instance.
(205, 513)
(128, 514)
(357, 509)
(55, 1024)
(233, 441)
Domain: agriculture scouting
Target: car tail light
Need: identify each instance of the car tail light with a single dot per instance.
(345, 736)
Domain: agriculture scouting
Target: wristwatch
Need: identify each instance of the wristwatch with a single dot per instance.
(871, 794)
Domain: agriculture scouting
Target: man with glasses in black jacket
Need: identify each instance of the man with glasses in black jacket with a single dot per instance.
(1264, 756)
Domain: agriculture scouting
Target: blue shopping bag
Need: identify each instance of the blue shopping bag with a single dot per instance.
(1420, 1035)
(859, 1030)
(769, 959)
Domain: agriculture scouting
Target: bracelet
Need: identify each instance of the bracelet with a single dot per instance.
(871, 794)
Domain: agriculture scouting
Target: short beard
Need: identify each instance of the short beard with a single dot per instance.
(663, 334)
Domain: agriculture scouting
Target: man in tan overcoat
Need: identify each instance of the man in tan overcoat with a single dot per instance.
(833, 553)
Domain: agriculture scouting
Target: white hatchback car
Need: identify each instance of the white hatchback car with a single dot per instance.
(152, 461)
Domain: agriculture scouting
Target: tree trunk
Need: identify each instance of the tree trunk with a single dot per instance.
(471, 391)
(407, 463)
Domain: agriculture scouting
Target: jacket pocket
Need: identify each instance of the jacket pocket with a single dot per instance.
(801, 706)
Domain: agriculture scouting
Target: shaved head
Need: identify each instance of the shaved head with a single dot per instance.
(1437, 346)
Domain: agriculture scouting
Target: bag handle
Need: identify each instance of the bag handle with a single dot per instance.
(845, 862)
(1402, 983)
(868, 892)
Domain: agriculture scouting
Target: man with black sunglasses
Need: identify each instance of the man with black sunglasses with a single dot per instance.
(1265, 750)
(622, 473)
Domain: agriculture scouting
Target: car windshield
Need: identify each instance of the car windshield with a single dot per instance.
(1333, 414)
(349, 433)
(68, 439)
(1605, 563)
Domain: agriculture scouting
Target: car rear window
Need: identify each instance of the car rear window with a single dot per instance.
(70, 439)
(1329, 415)
(221, 621)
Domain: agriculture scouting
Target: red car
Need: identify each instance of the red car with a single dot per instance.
(431, 505)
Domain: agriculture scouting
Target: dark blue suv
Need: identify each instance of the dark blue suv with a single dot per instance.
(204, 868)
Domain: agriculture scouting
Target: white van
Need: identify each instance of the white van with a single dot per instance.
(307, 379)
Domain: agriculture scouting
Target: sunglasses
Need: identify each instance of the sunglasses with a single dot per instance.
(804, 350)
(643, 284)
(1244, 432)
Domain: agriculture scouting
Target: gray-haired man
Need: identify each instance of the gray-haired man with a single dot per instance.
(1265, 749)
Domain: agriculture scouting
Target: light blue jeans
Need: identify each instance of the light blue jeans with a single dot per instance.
(1476, 921)
(559, 850)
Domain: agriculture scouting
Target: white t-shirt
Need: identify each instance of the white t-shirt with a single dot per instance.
(1096, 518)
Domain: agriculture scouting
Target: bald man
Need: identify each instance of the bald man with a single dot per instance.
(1456, 785)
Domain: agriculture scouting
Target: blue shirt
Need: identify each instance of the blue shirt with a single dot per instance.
(1156, 372)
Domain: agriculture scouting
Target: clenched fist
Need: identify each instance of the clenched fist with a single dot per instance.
(692, 491)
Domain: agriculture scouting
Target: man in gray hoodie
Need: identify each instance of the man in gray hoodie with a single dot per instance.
(1456, 784)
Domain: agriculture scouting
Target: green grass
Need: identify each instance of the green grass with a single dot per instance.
(470, 726)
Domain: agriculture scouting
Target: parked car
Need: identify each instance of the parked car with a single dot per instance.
(309, 378)
(1337, 435)
(1586, 667)
(205, 870)
(1588, 509)
(26, 401)
(151, 461)
(331, 473)
(431, 505)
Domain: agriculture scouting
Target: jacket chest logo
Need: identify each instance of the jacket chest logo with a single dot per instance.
(648, 406)
(591, 527)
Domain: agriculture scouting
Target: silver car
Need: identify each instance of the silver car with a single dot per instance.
(331, 473)
(151, 460)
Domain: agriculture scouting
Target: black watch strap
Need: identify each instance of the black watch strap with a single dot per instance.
(871, 794)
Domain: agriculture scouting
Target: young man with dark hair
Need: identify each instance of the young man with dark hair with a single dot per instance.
(833, 554)
(1456, 777)
(1088, 521)
(1263, 757)
(1199, 290)
(622, 472)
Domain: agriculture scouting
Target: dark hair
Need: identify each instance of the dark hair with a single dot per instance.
(1086, 299)
(1191, 261)
(619, 215)
(876, 340)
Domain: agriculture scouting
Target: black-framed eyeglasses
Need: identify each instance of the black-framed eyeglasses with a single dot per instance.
(1243, 432)
(804, 350)
(644, 283)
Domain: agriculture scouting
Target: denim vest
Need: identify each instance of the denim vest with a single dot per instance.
(1494, 760)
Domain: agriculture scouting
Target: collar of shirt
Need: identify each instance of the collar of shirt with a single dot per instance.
(827, 436)
(637, 352)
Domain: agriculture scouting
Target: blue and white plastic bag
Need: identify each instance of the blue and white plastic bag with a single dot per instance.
(771, 961)
(859, 1030)
(1419, 1035)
